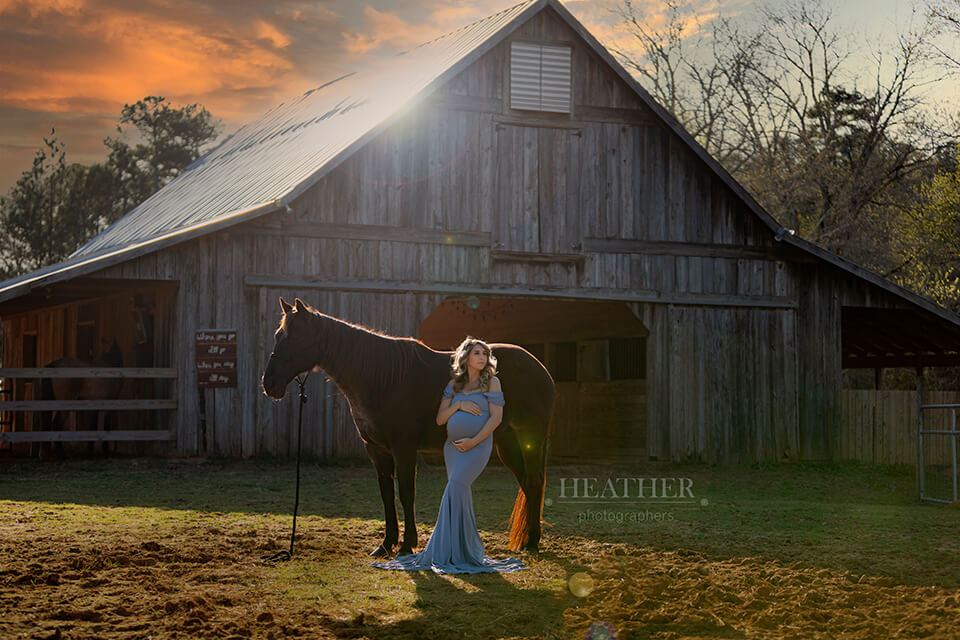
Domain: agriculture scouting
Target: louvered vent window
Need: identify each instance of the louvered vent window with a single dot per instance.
(539, 77)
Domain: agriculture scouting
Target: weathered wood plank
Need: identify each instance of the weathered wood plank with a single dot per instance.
(528, 224)
(609, 184)
(86, 405)
(225, 428)
(553, 160)
(86, 436)
(627, 295)
(204, 300)
(689, 249)
(88, 372)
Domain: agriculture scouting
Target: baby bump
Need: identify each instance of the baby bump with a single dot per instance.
(465, 425)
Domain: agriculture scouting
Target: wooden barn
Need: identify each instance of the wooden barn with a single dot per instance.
(508, 180)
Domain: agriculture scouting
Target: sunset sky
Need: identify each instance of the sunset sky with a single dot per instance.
(72, 64)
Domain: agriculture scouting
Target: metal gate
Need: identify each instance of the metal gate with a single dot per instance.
(937, 477)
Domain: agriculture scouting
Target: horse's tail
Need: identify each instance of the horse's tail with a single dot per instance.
(517, 525)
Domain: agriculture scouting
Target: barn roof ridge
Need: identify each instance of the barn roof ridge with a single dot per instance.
(142, 231)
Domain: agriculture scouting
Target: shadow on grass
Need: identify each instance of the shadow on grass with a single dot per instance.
(346, 489)
(855, 517)
(474, 606)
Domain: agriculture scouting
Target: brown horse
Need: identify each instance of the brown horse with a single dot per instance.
(394, 387)
(80, 389)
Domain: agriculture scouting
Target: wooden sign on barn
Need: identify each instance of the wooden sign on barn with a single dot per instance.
(216, 358)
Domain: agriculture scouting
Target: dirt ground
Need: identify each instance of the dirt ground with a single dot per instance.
(66, 578)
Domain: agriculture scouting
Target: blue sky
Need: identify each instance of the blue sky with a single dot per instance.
(72, 64)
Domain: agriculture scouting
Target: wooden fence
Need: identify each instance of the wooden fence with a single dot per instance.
(31, 406)
(881, 426)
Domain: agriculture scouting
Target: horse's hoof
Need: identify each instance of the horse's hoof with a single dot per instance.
(531, 549)
(404, 551)
(379, 552)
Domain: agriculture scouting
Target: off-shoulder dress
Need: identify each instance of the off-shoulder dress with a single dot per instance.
(455, 545)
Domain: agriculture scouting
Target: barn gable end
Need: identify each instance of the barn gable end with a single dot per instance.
(461, 214)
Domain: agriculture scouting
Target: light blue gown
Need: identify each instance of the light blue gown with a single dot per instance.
(455, 545)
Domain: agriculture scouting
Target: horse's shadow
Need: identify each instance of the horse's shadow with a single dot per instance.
(482, 605)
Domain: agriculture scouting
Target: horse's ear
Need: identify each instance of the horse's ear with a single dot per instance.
(283, 305)
(300, 305)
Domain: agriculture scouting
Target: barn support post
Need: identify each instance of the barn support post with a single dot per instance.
(953, 451)
(920, 386)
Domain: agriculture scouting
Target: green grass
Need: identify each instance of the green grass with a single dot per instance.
(852, 518)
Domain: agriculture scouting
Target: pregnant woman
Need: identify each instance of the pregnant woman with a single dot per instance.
(472, 407)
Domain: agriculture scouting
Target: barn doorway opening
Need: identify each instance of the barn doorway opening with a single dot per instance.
(595, 351)
(72, 325)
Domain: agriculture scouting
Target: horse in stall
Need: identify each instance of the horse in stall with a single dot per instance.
(394, 387)
(81, 389)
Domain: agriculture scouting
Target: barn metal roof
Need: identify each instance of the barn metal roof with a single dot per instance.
(269, 159)
(266, 164)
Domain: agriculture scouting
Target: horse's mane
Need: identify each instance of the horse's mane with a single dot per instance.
(384, 363)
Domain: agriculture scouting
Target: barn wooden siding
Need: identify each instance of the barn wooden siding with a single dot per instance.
(212, 295)
(461, 194)
(881, 426)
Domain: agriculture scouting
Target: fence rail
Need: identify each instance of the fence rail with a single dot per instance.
(31, 408)
(87, 436)
(88, 372)
(86, 405)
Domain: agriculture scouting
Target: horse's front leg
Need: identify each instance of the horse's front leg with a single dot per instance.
(383, 462)
(405, 460)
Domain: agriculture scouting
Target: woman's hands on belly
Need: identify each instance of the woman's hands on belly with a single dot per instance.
(470, 407)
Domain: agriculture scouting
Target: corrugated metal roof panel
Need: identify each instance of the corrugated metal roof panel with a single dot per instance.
(272, 158)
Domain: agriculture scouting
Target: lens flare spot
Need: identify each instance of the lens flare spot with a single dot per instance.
(601, 630)
(580, 584)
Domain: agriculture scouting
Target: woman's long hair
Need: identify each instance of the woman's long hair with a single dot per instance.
(458, 364)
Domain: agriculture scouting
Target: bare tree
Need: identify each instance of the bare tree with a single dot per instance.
(783, 105)
(945, 18)
(677, 68)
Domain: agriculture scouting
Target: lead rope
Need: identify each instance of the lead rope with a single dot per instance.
(283, 556)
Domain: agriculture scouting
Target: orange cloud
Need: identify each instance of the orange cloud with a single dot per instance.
(603, 19)
(387, 30)
(266, 31)
(37, 8)
(137, 55)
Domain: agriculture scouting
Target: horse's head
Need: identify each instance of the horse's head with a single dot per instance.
(294, 349)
